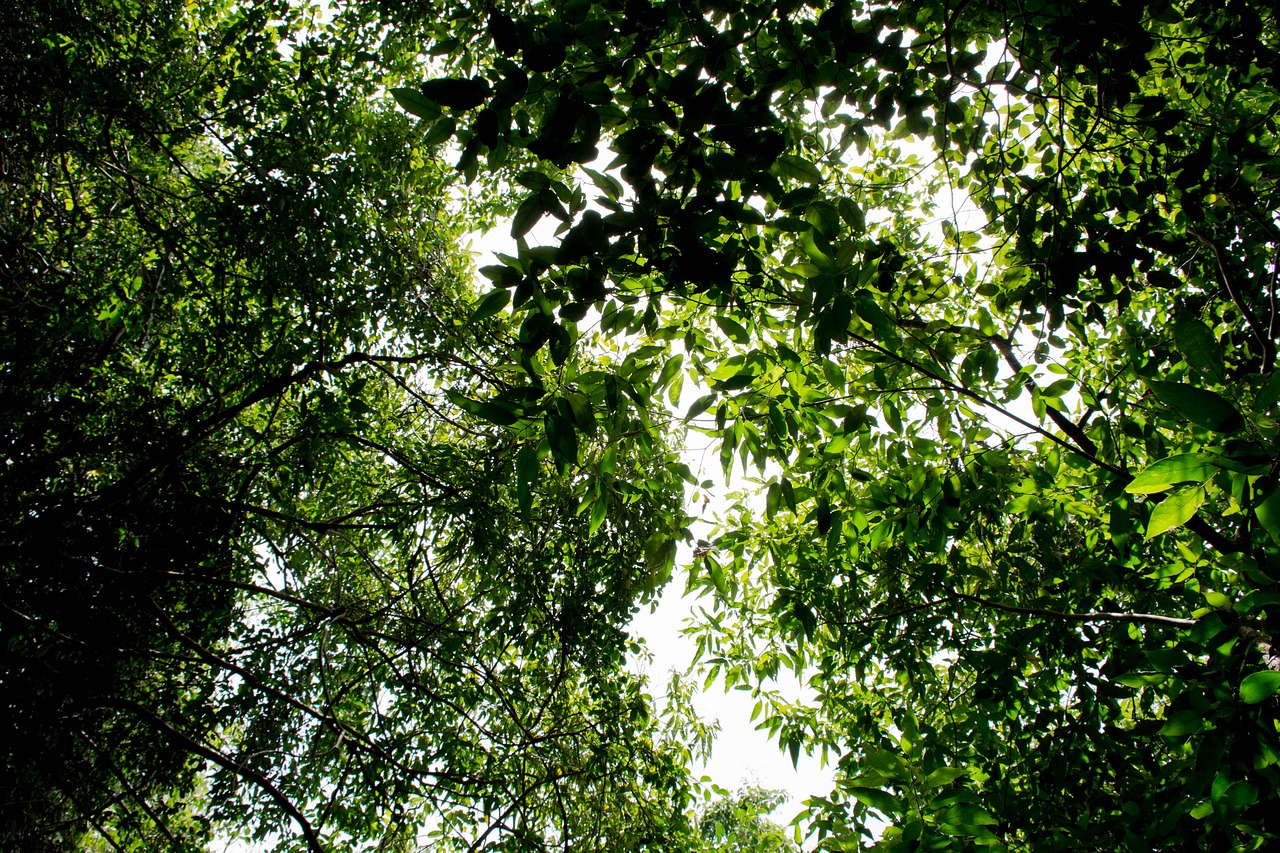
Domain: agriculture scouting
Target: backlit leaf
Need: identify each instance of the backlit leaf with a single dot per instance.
(1161, 475)
(1174, 511)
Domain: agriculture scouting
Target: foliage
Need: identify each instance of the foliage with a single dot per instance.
(739, 822)
(1018, 461)
(980, 298)
(267, 569)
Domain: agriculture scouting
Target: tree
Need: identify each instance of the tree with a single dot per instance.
(269, 566)
(1019, 466)
(739, 822)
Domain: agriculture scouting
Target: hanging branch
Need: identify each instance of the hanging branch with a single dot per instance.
(314, 844)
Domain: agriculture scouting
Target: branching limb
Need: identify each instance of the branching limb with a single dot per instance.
(314, 844)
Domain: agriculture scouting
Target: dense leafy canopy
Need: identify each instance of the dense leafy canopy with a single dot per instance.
(266, 565)
(980, 298)
(1019, 527)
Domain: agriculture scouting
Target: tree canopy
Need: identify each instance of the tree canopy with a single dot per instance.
(266, 570)
(977, 299)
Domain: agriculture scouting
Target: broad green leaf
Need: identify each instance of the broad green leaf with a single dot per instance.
(1268, 393)
(944, 775)
(1203, 408)
(797, 168)
(1257, 600)
(877, 799)
(1259, 686)
(699, 406)
(1120, 523)
(1168, 472)
(1058, 388)
(1174, 511)
(1234, 798)
(870, 311)
(968, 815)
(669, 370)
(607, 183)
(563, 438)
(534, 180)
(1268, 512)
(493, 302)
(1198, 345)
(733, 329)
(1141, 679)
(494, 412)
(526, 476)
(1182, 723)
(457, 93)
(658, 549)
(716, 572)
(442, 130)
(527, 215)
(852, 214)
(599, 510)
(414, 102)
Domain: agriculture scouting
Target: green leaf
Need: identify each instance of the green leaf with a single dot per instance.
(599, 510)
(658, 551)
(699, 406)
(717, 576)
(495, 413)
(1234, 798)
(852, 214)
(1268, 512)
(669, 370)
(412, 101)
(797, 168)
(968, 815)
(527, 215)
(1203, 408)
(457, 93)
(1268, 393)
(441, 131)
(883, 801)
(607, 183)
(870, 311)
(1141, 679)
(944, 775)
(1257, 600)
(534, 180)
(1174, 511)
(1198, 345)
(1182, 723)
(1259, 686)
(527, 470)
(735, 331)
(563, 438)
(491, 304)
(1161, 475)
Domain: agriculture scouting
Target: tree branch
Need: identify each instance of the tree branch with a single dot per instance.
(1255, 325)
(1094, 616)
(314, 844)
